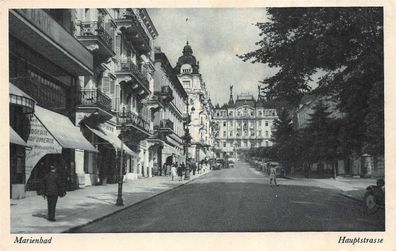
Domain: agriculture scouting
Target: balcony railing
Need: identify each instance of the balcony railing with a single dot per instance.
(95, 97)
(127, 14)
(166, 123)
(129, 66)
(131, 118)
(95, 28)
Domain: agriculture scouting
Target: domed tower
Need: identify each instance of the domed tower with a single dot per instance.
(187, 63)
(187, 70)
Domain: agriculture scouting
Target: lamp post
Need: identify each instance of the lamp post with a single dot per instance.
(120, 201)
(187, 139)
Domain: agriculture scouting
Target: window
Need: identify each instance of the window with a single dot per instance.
(230, 113)
(251, 114)
(259, 133)
(224, 144)
(266, 123)
(230, 133)
(266, 133)
(218, 114)
(231, 123)
(259, 123)
(224, 123)
(260, 113)
(266, 143)
(224, 134)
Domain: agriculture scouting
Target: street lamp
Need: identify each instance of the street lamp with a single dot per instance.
(120, 201)
(187, 140)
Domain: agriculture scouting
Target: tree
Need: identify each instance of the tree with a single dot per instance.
(283, 137)
(344, 43)
(323, 136)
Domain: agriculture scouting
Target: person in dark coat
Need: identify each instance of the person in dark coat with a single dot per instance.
(52, 187)
(180, 170)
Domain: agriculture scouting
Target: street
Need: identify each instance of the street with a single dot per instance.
(240, 200)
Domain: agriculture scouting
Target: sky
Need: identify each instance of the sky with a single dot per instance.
(216, 37)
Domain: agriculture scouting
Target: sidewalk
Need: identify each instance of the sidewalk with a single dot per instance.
(350, 187)
(85, 205)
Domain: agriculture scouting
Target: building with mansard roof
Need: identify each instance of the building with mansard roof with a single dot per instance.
(243, 124)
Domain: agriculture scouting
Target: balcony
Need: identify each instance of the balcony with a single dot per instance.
(166, 126)
(89, 97)
(127, 69)
(130, 119)
(94, 36)
(132, 28)
(96, 101)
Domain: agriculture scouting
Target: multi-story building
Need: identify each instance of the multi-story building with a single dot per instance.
(243, 124)
(46, 61)
(169, 121)
(78, 78)
(112, 101)
(200, 108)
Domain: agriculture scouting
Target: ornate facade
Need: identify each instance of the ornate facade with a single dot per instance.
(243, 124)
(200, 107)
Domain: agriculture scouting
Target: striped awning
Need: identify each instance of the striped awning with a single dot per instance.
(16, 139)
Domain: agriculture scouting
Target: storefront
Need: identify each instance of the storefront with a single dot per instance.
(21, 109)
(106, 170)
(52, 136)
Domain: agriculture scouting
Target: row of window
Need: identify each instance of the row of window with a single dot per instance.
(246, 133)
(246, 113)
(245, 123)
(245, 144)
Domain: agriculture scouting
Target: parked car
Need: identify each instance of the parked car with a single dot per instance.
(220, 163)
(231, 163)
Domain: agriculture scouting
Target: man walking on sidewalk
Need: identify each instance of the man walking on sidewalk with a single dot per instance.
(51, 188)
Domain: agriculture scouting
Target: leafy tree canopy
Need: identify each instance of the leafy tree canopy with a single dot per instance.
(300, 41)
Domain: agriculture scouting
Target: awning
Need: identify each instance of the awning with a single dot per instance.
(19, 97)
(16, 139)
(63, 130)
(112, 139)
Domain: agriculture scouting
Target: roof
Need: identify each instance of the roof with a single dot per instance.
(161, 57)
(187, 58)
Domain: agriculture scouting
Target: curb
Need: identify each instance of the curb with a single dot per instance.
(134, 204)
(350, 197)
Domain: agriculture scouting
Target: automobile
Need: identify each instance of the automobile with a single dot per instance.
(232, 159)
(219, 164)
(231, 163)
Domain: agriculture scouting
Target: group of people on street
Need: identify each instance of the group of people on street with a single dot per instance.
(179, 170)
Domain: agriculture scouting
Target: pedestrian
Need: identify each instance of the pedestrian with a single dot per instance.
(180, 171)
(164, 168)
(52, 187)
(194, 168)
(173, 171)
(273, 175)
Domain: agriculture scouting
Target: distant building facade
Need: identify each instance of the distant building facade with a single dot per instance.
(243, 124)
